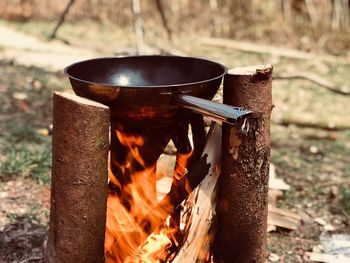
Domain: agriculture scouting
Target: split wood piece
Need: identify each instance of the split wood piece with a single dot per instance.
(243, 183)
(276, 183)
(327, 258)
(277, 217)
(79, 180)
(272, 50)
(283, 218)
(274, 195)
(197, 245)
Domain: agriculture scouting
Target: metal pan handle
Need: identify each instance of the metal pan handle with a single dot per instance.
(217, 111)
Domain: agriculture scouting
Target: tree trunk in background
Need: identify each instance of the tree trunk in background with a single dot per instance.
(61, 20)
(138, 26)
(345, 8)
(165, 23)
(287, 11)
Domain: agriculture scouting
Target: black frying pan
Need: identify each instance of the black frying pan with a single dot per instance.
(152, 88)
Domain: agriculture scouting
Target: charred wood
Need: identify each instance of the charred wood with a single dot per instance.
(199, 136)
(184, 148)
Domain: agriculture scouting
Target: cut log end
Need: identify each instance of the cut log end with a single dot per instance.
(80, 100)
(251, 70)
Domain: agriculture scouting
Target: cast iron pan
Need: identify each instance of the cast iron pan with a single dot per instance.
(152, 88)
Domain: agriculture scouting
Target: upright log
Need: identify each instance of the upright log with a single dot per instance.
(243, 183)
(79, 180)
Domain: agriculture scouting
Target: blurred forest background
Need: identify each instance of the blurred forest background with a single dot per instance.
(304, 24)
(307, 41)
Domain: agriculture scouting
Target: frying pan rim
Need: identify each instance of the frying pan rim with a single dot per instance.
(148, 86)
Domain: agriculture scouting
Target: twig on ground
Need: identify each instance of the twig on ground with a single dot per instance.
(302, 124)
(340, 182)
(325, 83)
(138, 26)
(272, 50)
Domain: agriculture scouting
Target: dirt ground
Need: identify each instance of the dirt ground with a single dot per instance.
(315, 162)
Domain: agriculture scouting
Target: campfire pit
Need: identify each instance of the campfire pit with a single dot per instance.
(150, 101)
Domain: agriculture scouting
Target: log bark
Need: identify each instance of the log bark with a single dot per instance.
(243, 183)
(79, 180)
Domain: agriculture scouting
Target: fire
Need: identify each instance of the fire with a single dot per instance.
(135, 229)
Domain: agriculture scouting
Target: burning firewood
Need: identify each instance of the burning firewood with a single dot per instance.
(155, 247)
(202, 206)
(134, 154)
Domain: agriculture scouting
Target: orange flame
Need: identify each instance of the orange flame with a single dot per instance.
(126, 239)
